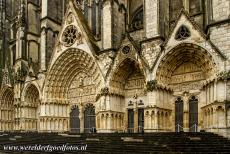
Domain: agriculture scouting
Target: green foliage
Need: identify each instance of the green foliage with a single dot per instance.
(151, 85)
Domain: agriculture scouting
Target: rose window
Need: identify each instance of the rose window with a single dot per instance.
(69, 36)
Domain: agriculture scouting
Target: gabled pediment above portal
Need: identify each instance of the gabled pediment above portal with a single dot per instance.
(74, 33)
(186, 30)
(130, 49)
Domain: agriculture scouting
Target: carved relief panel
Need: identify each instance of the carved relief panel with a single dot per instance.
(186, 77)
(135, 84)
(82, 90)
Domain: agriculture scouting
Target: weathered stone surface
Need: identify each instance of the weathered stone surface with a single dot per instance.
(84, 67)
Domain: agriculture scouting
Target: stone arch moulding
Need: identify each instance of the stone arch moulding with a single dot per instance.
(123, 70)
(7, 108)
(117, 66)
(27, 85)
(64, 70)
(175, 56)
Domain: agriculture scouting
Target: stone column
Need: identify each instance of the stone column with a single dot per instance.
(109, 127)
(215, 120)
(98, 22)
(215, 92)
(43, 49)
(104, 122)
(186, 113)
(81, 117)
(150, 121)
(107, 41)
(156, 120)
(145, 121)
(20, 43)
(135, 110)
(90, 14)
(151, 18)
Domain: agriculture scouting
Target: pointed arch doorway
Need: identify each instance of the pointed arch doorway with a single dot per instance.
(89, 119)
(180, 117)
(74, 120)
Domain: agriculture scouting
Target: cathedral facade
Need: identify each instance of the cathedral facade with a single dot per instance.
(115, 66)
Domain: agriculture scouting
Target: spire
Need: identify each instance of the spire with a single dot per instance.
(5, 77)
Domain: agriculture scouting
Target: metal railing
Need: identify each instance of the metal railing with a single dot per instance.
(179, 127)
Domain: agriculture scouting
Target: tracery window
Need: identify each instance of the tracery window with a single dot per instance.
(192, 6)
(94, 18)
(195, 6)
(92, 13)
(137, 19)
(175, 7)
(182, 33)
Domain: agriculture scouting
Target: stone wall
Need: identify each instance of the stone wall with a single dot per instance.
(107, 25)
(151, 18)
(220, 36)
(221, 9)
(118, 24)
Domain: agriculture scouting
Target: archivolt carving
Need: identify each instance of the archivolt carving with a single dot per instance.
(72, 65)
(128, 79)
(185, 67)
(6, 108)
(82, 89)
(32, 96)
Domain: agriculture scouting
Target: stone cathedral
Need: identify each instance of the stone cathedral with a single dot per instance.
(115, 66)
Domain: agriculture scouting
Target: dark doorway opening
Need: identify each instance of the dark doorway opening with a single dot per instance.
(179, 105)
(140, 120)
(89, 119)
(74, 120)
(130, 121)
(193, 114)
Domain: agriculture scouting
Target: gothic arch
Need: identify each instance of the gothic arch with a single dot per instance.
(89, 118)
(68, 65)
(181, 54)
(32, 84)
(123, 72)
(65, 85)
(194, 97)
(74, 119)
(31, 107)
(137, 19)
(6, 108)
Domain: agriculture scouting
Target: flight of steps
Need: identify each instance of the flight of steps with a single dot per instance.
(149, 143)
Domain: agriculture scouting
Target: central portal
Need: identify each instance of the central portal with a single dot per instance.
(181, 117)
(131, 118)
